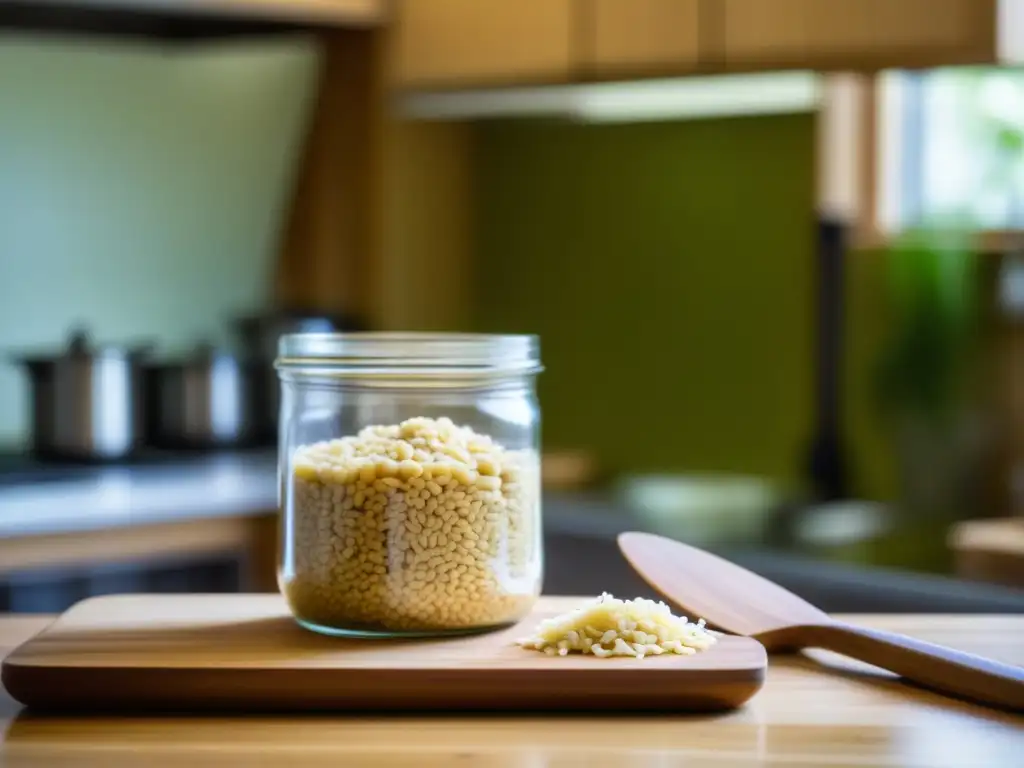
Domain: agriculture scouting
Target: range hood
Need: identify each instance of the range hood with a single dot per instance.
(185, 19)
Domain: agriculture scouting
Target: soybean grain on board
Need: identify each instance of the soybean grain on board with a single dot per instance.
(606, 626)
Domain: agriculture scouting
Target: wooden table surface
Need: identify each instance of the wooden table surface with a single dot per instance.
(805, 716)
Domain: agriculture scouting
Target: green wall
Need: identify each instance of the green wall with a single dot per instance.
(668, 268)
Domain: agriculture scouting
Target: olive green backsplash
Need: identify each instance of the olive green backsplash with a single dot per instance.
(669, 269)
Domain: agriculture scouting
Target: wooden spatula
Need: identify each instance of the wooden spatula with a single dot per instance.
(737, 601)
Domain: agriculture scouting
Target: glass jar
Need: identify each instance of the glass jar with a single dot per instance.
(410, 481)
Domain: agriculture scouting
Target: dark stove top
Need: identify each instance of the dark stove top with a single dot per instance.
(25, 468)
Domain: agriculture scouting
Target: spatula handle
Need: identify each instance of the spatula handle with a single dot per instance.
(942, 669)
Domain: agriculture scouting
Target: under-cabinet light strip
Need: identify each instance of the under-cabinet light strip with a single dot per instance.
(673, 99)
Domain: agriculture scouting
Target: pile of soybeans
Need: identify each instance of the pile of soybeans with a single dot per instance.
(419, 526)
(606, 626)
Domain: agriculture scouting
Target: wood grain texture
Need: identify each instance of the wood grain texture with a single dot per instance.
(850, 34)
(825, 711)
(706, 586)
(990, 550)
(641, 37)
(457, 43)
(379, 225)
(125, 544)
(421, 276)
(932, 665)
(733, 599)
(421, 270)
(244, 652)
(328, 235)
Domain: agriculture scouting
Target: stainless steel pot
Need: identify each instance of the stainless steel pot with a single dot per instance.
(204, 401)
(86, 401)
(259, 335)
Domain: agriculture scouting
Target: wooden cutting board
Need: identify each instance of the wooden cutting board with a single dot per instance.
(244, 652)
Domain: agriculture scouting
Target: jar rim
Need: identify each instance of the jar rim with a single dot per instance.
(376, 352)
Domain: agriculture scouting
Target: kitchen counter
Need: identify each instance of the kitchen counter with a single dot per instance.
(102, 498)
(171, 508)
(803, 716)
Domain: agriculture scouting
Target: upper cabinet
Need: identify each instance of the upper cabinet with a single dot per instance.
(623, 38)
(856, 34)
(455, 44)
(462, 43)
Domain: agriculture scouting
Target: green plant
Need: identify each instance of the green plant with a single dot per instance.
(932, 285)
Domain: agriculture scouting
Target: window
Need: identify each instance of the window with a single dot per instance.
(951, 149)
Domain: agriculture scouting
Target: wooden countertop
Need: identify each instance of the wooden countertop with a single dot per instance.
(804, 716)
(990, 550)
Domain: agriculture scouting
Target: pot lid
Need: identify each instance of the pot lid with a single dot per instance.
(284, 321)
(206, 351)
(79, 346)
(203, 352)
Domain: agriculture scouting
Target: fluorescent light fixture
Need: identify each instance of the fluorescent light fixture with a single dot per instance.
(700, 97)
(687, 98)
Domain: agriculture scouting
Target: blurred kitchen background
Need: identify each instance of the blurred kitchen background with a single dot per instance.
(776, 264)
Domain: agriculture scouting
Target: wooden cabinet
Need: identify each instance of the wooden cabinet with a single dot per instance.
(444, 43)
(467, 43)
(641, 37)
(823, 34)
(454, 44)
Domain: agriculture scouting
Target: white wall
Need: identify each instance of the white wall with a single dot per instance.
(142, 189)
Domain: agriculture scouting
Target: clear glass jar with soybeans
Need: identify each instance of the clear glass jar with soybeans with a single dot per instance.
(410, 482)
